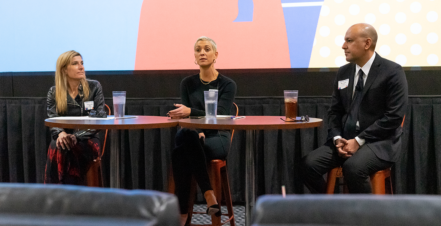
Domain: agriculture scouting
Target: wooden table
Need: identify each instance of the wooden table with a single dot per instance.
(251, 124)
(115, 125)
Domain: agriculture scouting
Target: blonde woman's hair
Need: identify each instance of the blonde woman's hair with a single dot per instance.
(61, 81)
(205, 38)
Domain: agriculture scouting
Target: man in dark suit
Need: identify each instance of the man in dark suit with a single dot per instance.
(369, 101)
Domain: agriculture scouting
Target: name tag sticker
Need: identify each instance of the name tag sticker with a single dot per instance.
(88, 105)
(342, 84)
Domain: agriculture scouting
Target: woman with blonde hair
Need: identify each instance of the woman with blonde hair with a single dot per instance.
(195, 148)
(71, 151)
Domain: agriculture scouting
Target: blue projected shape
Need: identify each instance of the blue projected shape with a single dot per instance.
(246, 8)
(34, 33)
(301, 24)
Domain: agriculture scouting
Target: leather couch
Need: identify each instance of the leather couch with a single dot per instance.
(402, 210)
(39, 204)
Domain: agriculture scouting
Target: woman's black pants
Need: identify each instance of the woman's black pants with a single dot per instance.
(190, 158)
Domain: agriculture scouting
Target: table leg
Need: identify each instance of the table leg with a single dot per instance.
(250, 194)
(115, 180)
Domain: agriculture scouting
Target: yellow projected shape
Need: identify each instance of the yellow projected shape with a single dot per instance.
(409, 31)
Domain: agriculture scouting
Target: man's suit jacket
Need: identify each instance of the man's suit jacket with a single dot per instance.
(382, 108)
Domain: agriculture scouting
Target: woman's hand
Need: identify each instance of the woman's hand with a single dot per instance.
(202, 136)
(73, 139)
(180, 112)
(66, 141)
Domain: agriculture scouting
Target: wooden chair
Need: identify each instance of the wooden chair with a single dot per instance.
(93, 176)
(378, 179)
(220, 184)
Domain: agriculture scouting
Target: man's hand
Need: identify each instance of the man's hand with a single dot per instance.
(351, 146)
(340, 145)
(181, 111)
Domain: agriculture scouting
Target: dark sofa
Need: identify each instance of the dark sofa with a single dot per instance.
(38, 204)
(402, 210)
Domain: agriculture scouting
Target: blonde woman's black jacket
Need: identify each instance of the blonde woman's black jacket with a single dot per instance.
(76, 108)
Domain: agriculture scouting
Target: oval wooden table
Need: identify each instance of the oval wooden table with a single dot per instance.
(115, 125)
(251, 124)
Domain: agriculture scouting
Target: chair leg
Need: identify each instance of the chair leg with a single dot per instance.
(219, 182)
(215, 177)
(191, 201)
(391, 189)
(93, 175)
(377, 182)
(332, 177)
(345, 189)
(171, 181)
(227, 194)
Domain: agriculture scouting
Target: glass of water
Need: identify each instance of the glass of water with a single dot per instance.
(210, 98)
(119, 103)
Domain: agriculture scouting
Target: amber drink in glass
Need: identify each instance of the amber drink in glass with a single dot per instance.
(291, 97)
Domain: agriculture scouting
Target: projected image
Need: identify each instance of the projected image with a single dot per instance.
(249, 34)
(159, 35)
(290, 33)
(408, 31)
(34, 33)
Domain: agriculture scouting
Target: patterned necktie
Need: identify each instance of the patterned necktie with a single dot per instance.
(350, 125)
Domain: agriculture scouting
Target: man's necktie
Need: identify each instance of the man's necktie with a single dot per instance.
(350, 125)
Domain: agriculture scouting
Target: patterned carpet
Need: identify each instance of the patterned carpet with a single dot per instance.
(239, 215)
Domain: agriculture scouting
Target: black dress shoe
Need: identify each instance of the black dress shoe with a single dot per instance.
(214, 210)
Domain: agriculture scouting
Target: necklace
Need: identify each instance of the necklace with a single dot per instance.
(202, 81)
(206, 83)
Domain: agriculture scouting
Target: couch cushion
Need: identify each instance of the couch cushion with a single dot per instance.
(329, 210)
(53, 202)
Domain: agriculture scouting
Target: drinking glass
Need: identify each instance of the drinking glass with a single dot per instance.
(210, 98)
(119, 103)
(291, 104)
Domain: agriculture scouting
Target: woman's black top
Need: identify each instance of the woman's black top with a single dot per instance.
(75, 107)
(192, 94)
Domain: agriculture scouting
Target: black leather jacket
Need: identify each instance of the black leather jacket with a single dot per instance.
(76, 108)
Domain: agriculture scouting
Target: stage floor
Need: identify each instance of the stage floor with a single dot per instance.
(239, 215)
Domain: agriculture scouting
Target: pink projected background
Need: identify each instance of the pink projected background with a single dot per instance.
(168, 31)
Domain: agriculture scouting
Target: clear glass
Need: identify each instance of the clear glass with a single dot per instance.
(210, 98)
(119, 103)
(291, 97)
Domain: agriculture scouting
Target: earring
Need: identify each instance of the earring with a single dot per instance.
(195, 62)
(214, 61)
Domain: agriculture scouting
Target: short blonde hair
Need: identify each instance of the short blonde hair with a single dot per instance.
(205, 38)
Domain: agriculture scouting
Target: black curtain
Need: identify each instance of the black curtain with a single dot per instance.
(145, 154)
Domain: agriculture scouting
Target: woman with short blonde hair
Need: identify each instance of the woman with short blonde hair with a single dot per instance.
(194, 148)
